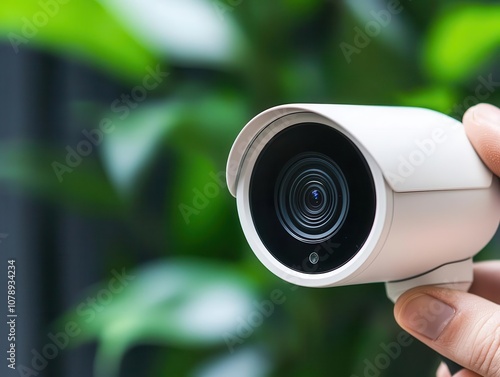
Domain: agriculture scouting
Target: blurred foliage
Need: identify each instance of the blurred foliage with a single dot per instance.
(159, 173)
(183, 302)
(464, 39)
(64, 29)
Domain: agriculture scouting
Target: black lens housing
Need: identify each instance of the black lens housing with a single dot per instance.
(311, 191)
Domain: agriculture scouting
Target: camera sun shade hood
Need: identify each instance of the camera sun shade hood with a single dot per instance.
(432, 214)
(428, 144)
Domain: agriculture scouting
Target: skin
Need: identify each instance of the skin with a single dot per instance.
(471, 337)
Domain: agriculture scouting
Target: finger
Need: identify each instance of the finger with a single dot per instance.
(443, 371)
(482, 125)
(487, 280)
(466, 373)
(461, 326)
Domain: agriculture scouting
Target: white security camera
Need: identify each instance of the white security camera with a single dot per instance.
(331, 195)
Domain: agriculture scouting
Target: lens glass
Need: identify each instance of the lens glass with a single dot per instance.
(311, 197)
(314, 199)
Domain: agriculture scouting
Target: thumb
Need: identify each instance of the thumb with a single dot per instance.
(462, 327)
(482, 125)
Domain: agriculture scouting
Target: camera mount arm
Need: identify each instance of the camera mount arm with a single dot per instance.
(455, 275)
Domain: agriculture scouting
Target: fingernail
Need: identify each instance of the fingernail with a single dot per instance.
(426, 315)
(485, 114)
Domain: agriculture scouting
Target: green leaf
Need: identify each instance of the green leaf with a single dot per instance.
(198, 200)
(133, 143)
(389, 19)
(81, 28)
(461, 41)
(213, 127)
(247, 362)
(188, 31)
(439, 98)
(209, 132)
(184, 302)
(46, 173)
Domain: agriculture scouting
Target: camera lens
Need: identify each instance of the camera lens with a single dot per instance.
(314, 199)
(311, 197)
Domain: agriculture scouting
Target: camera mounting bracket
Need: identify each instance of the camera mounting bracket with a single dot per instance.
(456, 275)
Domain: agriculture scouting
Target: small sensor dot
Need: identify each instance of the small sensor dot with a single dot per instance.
(314, 258)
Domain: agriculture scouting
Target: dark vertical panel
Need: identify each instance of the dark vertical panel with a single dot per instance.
(80, 251)
(58, 255)
(22, 218)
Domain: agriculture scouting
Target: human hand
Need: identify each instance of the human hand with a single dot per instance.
(464, 327)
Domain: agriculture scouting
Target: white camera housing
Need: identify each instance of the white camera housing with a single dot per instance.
(410, 205)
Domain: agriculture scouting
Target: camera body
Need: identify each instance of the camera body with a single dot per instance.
(331, 195)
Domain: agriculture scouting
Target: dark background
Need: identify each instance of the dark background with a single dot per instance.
(196, 281)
